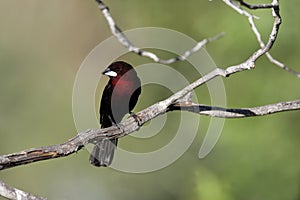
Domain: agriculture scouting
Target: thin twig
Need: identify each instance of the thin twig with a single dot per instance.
(281, 65)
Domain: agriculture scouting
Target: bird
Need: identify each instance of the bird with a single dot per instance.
(119, 97)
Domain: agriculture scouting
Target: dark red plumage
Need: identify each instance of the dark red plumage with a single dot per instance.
(119, 98)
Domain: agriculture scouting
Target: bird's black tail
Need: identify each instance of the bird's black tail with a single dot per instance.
(103, 153)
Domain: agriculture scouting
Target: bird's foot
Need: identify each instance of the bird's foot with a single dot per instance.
(119, 126)
(136, 117)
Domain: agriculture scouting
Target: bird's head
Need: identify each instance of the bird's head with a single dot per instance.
(119, 69)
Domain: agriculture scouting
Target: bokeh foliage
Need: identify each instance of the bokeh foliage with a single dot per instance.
(42, 44)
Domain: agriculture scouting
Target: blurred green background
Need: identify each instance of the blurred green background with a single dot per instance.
(43, 43)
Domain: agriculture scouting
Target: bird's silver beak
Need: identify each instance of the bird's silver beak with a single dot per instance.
(109, 72)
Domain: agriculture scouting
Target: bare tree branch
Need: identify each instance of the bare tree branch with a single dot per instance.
(16, 194)
(117, 32)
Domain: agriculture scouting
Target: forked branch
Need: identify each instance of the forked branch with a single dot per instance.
(277, 18)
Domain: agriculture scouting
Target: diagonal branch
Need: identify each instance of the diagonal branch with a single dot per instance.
(13, 193)
(130, 125)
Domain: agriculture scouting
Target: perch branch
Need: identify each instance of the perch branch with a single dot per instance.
(130, 125)
(16, 194)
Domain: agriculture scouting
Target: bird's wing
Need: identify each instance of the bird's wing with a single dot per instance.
(106, 120)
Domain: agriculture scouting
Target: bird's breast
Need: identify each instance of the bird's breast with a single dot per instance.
(124, 88)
